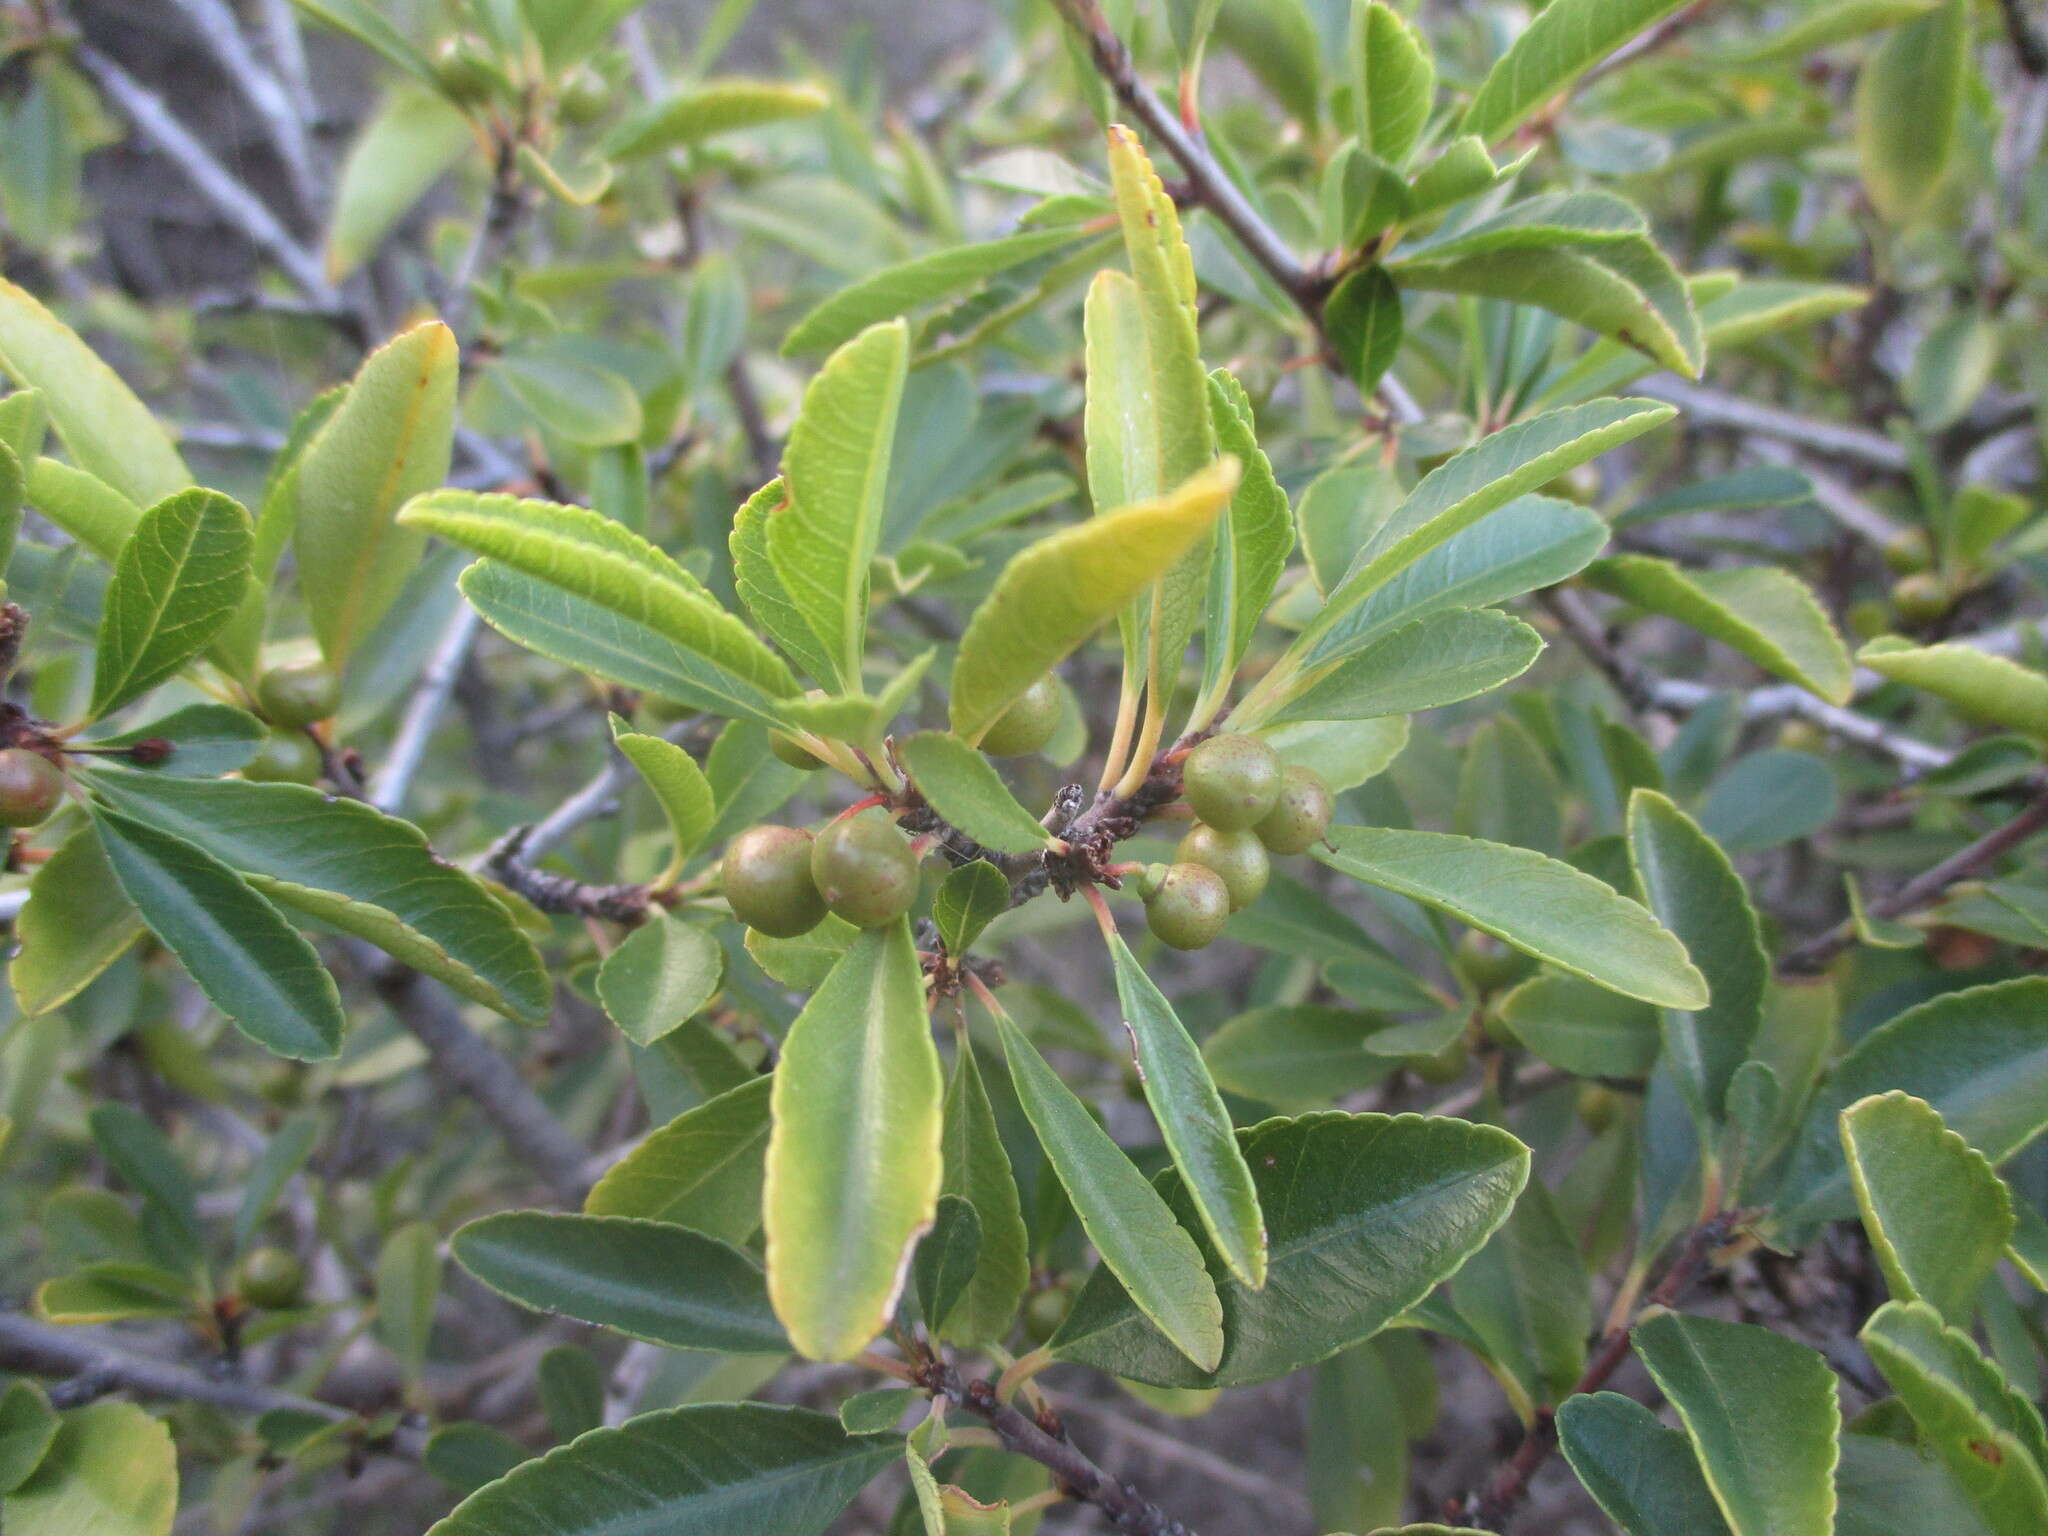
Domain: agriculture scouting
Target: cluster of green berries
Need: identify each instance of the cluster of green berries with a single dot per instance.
(292, 696)
(1247, 807)
(781, 881)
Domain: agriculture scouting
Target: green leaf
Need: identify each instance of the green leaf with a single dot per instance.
(658, 977)
(1528, 1301)
(713, 1469)
(652, 610)
(1357, 1446)
(354, 868)
(1886, 1488)
(1979, 684)
(1986, 1433)
(1057, 592)
(945, 1260)
(679, 787)
(1533, 541)
(1979, 1057)
(1696, 894)
(110, 1471)
(1252, 543)
(1827, 25)
(646, 1279)
(389, 440)
(836, 472)
(1564, 41)
(1938, 1217)
(1644, 1475)
(1366, 1214)
(761, 589)
(467, 1455)
(968, 900)
(1761, 1412)
(116, 1293)
(408, 1290)
(280, 1161)
(363, 22)
(568, 396)
(1767, 798)
(1603, 275)
(1537, 904)
(1769, 615)
(240, 951)
(716, 107)
(206, 740)
(110, 434)
(854, 1162)
(1140, 1240)
(407, 145)
(701, 1170)
(1295, 1057)
(1488, 475)
(77, 923)
(978, 1171)
(1909, 110)
(965, 789)
(1583, 1029)
(180, 577)
(83, 505)
(1438, 659)
(1396, 81)
(145, 1159)
(1363, 319)
(571, 1386)
(897, 290)
(1192, 1120)
(28, 1427)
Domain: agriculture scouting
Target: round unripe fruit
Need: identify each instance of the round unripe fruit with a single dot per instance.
(766, 877)
(1186, 905)
(1027, 725)
(1920, 598)
(1486, 964)
(1231, 781)
(865, 870)
(298, 693)
(1868, 618)
(583, 98)
(1445, 1066)
(31, 787)
(793, 752)
(1045, 1310)
(1802, 736)
(1238, 859)
(286, 757)
(270, 1277)
(464, 69)
(1597, 1106)
(1908, 552)
(1300, 817)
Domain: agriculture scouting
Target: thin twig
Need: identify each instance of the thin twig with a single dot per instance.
(423, 711)
(1046, 1444)
(34, 1348)
(466, 1062)
(288, 51)
(222, 33)
(1830, 439)
(229, 197)
(1927, 886)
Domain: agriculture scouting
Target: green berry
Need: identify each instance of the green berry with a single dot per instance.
(865, 870)
(1486, 964)
(1802, 736)
(584, 98)
(1444, 1066)
(298, 693)
(1045, 1310)
(1231, 781)
(1027, 725)
(1868, 618)
(31, 787)
(793, 752)
(1238, 859)
(286, 757)
(465, 70)
(1908, 552)
(1186, 905)
(1300, 817)
(1597, 1106)
(270, 1277)
(1921, 598)
(766, 877)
